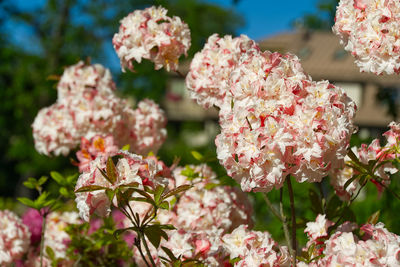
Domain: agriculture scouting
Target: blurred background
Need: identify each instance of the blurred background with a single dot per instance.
(39, 38)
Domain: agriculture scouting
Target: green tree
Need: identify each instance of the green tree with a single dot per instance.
(61, 32)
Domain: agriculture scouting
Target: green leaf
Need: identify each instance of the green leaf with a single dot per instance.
(164, 205)
(58, 178)
(210, 186)
(50, 253)
(333, 207)
(64, 192)
(348, 182)
(167, 226)
(146, 195)
(118, 232)
(177, 190)
(126, 147)
(90, 188)
(197, 155)
(315, 200)
(72, 179)
(373, 219)
(169, 253)
(40, 201)
(154, 234)
(42, 180)
(27, 202)
(111, 171)
(30, 183)
(157, 193)
(105, 175)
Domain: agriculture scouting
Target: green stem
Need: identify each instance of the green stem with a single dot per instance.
(293, 214)
(147, 249)
(42, 238)
(284, 223)
(139, 246)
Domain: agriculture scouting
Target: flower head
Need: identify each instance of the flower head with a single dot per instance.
(152, 35)
(369, 30)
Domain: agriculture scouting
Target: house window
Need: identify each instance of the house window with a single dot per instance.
(353, 90)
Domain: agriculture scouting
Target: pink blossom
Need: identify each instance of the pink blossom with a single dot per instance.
(369, 30)
(281, 122)
(211, 67)
(254, 248)
(33, 220)
(145, 128)
(151, 34)
(96, 146)
(14, 237)
(131, 169)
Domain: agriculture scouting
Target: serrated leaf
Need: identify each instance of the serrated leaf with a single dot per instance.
(90, 188)
(111, 171)
(177, 190)
(27, 202)
(57, 177)
(197, 155)
(373, 219)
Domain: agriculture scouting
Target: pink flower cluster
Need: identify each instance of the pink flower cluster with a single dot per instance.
(378, 247)
(365, 154)
(152, 35)
(131, 168)
(199, 208)
(254, 248)
(280, 122)
(14, 238)
(211, 67)
(369, 30)
(87, 107)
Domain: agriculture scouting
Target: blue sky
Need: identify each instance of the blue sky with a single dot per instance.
(267, 17)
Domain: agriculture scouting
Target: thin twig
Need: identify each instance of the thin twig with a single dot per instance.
(271, 207)
(293, 214)
(284, 223)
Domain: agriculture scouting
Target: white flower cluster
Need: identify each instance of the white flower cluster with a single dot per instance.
(145, 128)
(211, 67)
(280, 122)
(14, 238)
(369, 29)
(379, 247)
(254, 248)
(152, 35)
(87, 107)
